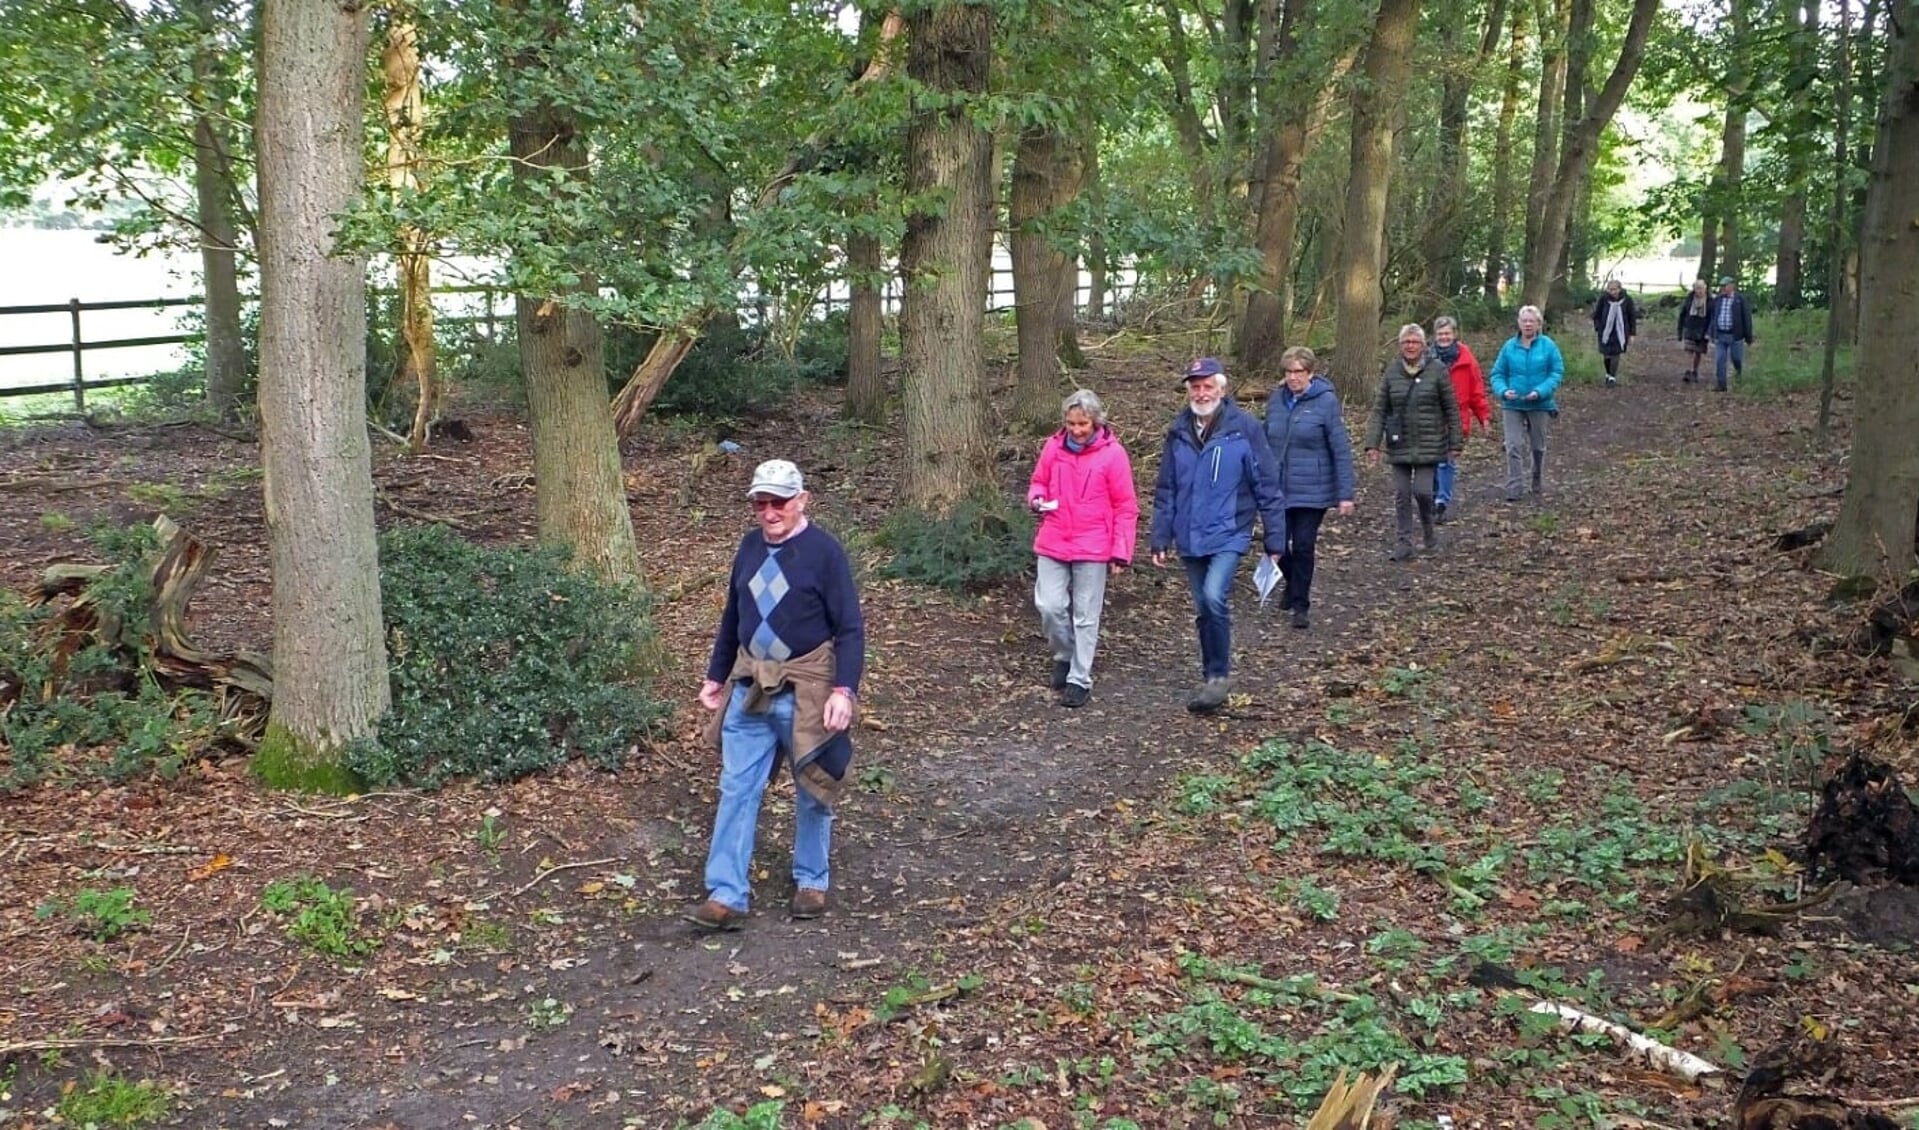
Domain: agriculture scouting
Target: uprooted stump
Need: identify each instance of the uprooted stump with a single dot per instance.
(1713, 899)
(1866, 827)
(241, 681)
(1765, 1103)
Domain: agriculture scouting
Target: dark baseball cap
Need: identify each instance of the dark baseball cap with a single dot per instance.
(1202, 368)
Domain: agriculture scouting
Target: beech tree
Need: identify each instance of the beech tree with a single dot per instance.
(1387, 64)
(1879, 516)
(329, 651)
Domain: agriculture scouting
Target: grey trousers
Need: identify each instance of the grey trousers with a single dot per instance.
(1069, 595)
(1413, 486)
(1525, 434)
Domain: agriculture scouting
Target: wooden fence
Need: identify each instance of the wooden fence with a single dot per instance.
(999, 299)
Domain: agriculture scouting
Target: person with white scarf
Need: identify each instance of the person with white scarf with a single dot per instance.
(1616, 321)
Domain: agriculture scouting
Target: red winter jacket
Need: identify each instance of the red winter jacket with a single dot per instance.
(1098, 512)
(1469, 388)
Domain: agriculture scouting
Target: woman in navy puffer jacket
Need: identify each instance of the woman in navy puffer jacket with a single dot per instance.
(1307, 433)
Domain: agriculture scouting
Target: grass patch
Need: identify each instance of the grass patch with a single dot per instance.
(1788, 354)
(105, 1099)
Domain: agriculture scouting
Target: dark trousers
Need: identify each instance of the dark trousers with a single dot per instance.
(1296, 563)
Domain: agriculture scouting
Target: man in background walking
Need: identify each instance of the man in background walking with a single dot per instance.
(1731, 331)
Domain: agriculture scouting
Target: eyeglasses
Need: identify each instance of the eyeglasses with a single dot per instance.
(1297, 372)
(760, 504)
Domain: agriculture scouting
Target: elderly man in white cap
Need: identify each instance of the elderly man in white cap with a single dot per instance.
(782, 682)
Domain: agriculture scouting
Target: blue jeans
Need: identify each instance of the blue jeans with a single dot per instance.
(1211, 579)
(750, 745)
(1443, 483)
(1727, 345)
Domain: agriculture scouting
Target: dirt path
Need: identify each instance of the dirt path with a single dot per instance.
(974, 787)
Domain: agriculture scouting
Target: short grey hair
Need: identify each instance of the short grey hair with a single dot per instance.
(1412, 329)
(1087, 401)
(1446, 322)
(1524, 311)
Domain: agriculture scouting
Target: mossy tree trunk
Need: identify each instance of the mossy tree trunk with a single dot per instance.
(329, 652)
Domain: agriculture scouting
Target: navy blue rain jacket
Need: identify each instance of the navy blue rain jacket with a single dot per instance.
(1207, 496)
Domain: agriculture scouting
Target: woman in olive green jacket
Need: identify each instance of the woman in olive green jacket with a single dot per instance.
(1416, 419)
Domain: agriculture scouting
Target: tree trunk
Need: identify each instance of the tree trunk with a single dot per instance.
(1387, 68)
(1839, 235)
(228, 380)
(405, 107)
(579, 494)
(865, 382)
(1575, 164)
(1499, 228)
(1445, 241)
(1546, 130)
(1873, 535)
(945, 258)
(1045, 180)
(1709, 248)
(1802, 25)
(1731, 181)
(1262, 327)
(329, 649)
(1789, 287)
(1066, 346)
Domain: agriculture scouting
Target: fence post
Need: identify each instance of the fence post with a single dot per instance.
(79, 368)
(492, 336)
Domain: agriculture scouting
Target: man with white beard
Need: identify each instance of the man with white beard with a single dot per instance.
(1216, 473)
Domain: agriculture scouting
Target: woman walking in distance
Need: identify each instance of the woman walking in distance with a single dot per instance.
(1082, 493)
(1616, 321)
(1695, 328)
(1416, 419)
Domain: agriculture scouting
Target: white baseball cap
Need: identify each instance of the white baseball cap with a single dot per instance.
(778, 478)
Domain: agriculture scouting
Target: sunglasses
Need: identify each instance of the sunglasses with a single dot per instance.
(760, 504)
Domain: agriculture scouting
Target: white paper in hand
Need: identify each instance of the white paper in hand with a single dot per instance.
(1265, 577)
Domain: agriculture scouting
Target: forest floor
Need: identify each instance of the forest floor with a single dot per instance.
(1123, 915)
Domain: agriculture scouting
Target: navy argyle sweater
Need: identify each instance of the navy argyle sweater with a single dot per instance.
(785, 600)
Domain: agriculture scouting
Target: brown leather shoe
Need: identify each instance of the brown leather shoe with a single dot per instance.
(715, 915)
(808, 904)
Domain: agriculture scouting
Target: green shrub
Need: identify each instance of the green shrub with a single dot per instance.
(323, 918)
(100, 915)
(982, 542)
(503, 662)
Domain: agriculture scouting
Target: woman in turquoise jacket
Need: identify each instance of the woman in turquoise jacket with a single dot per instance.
(1524, 379)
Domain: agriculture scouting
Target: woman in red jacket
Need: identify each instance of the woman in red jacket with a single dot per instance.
(1469, 388)
(1082, 491)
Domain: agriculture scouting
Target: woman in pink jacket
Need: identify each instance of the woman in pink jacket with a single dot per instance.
(1082, 492)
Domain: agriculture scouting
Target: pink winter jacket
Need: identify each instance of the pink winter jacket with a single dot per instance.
(1098, 511)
